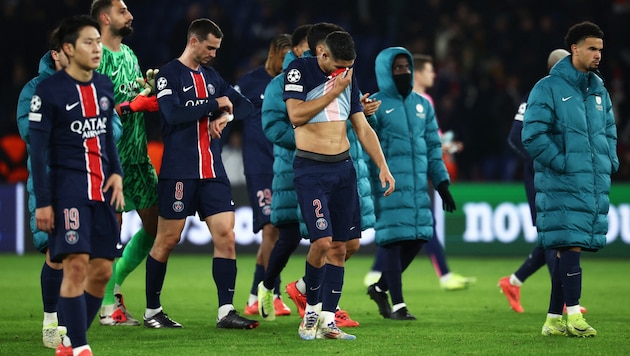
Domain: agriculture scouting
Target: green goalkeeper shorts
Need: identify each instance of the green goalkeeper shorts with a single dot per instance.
(139, 186)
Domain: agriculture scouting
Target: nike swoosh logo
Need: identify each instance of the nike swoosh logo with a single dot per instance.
(352, 228)
(567, 98)
(71, 106)
(263, 313)
(311, 288)
(336, 291)
(187, 88)
(119, 246)
(573, 274)
(231, 289)
(389, 110)
(114, 73)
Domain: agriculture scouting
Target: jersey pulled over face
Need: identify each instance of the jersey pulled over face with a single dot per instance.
(305, 80)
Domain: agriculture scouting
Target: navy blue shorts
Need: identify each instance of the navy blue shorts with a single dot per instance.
(356, 222)
(259, 191)
(85, 226)
(328, 198)
(180, 198)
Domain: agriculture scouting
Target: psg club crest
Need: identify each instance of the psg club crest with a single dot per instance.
(178, 206)
(266, 210)
(72, 237)
(103, 102)
(211, 89)
(321, 223)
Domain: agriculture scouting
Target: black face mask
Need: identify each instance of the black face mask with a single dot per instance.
(403, 83)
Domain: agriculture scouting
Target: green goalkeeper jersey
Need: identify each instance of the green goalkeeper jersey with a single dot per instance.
(123, 69)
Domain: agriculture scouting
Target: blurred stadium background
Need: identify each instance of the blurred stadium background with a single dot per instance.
(487, 55)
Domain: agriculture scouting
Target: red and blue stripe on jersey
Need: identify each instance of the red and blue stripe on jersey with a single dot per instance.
(206, 158)
(92, 145)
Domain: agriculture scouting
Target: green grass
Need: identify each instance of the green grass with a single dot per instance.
(476, 321)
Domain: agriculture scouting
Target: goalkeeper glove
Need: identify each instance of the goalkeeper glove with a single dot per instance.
(140, 103)
(148, 84)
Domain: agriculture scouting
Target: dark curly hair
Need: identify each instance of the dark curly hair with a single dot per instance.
(582, 31)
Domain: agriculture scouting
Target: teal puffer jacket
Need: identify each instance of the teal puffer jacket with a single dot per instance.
(408, 132)
(569, 130)
(278, 129)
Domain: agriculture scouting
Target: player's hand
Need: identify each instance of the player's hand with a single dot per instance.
(452, 147)
(114, 182)
(148, 84)
(45, 219)
(369, 105)
(225, 104)
(448, 203)
(140, 103)
(217, 126)
(342, 81)
(387, 181)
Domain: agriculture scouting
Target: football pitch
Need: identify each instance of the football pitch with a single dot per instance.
(476, 321)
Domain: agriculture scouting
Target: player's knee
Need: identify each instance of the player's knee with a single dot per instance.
(321, 246)
(100, 275)
(337, 253)
(352, 246)
(75, 269)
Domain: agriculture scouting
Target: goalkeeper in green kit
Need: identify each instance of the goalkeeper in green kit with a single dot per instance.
(133, 96)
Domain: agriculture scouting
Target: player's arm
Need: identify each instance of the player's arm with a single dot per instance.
(241, 106)
(611, 134)
(369, 105)
(174, 111)
(538, 129)
(371, 145)
(24, 107)
(114, 181)
(117, 126)
(275, 120)
(514, 137)
(436, 169)
(301, 110)
(40, 127)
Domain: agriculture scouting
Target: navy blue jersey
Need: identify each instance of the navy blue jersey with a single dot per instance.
(257, 150)
(304, 80)
(187, 106)
(71, 132)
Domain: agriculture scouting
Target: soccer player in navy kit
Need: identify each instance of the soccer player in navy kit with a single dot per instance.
(72, 135)
(195, 106)
(258, 165)
(319, 103)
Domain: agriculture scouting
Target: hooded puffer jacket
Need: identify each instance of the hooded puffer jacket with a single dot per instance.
(408, 132)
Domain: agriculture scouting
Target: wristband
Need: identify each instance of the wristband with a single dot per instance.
(124, 108)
